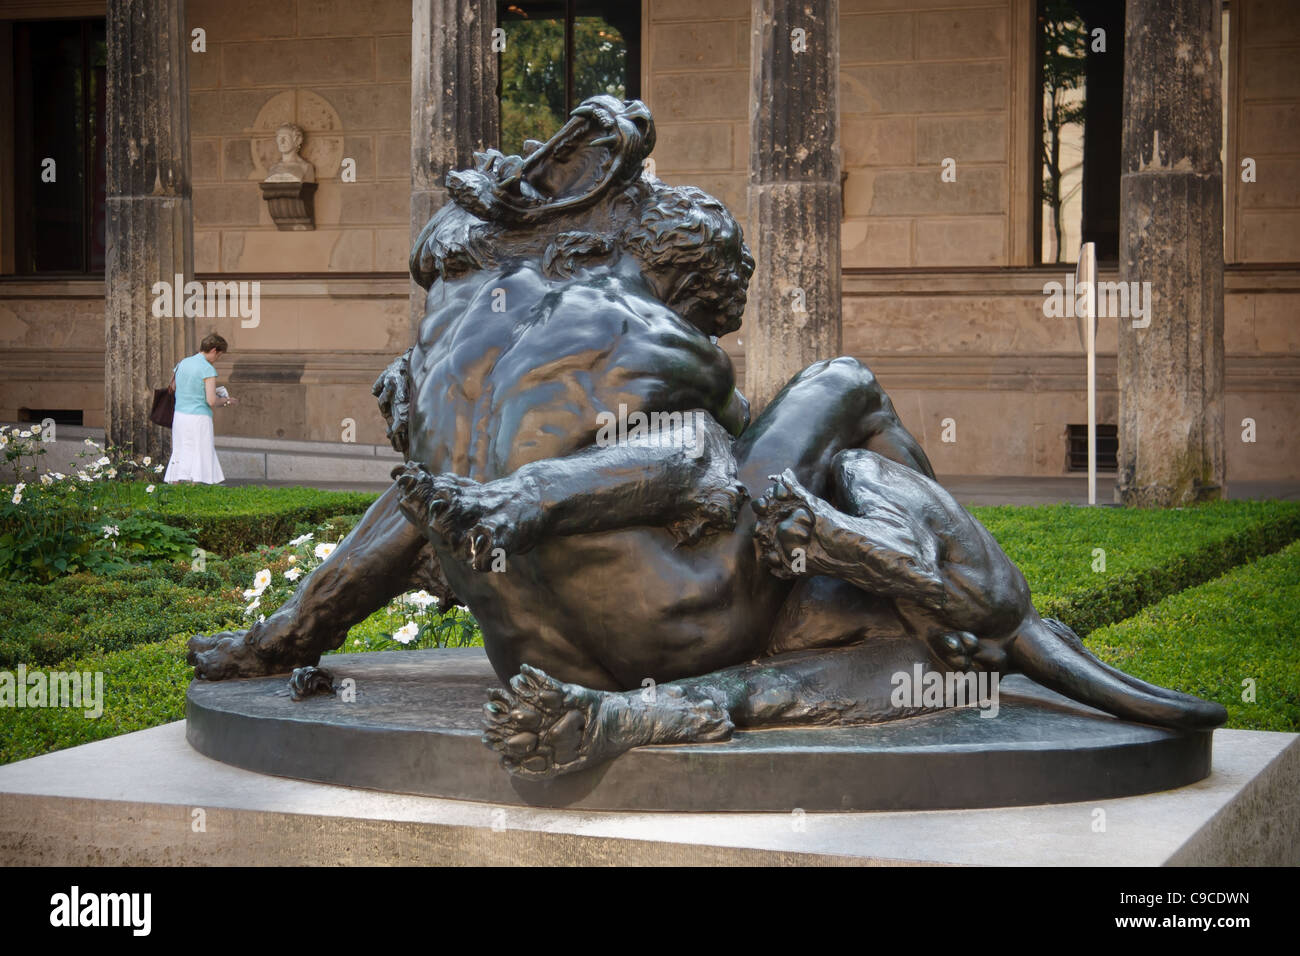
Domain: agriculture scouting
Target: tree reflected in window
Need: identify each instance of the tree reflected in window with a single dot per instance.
(559, 53)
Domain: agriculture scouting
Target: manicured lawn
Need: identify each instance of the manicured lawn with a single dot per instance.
(1148, 554)
(1204, 638)
(1208, 640)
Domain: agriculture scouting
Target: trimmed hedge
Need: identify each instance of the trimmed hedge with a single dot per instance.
(1149, 554)
(143, 687)
(240, 519)
(1210, 639)
(82, 613)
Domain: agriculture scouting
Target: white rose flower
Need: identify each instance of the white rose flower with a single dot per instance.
(83, 476)
(24, 434)
(18, 497)
(293, 574)
(157, 469)
(253, 607)
(262, 580)
(406, 633)
(112, 472)
(36, 429)
(324, 550)
(149, 490)
(4, 440)
(301, 539)
(103, 461)
(146, 460)
(20, 486)
(47, 480)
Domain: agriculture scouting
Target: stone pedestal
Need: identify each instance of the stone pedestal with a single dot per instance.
(1171, 434)
(149, 233)
(454, 109)
(291, 205)
(794, 193)
(415, 721)
(132, 800)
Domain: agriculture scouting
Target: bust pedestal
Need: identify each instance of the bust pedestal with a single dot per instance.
(291, 205)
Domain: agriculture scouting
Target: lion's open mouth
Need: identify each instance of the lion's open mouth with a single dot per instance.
(602, 145)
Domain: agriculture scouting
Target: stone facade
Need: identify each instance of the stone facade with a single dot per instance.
(940, 296)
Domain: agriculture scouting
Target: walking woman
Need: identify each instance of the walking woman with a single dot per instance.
(194, 450)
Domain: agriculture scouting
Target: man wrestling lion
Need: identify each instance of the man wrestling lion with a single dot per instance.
(564, 287)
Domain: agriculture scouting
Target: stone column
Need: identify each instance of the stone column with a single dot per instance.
(150, 228)
(1171, 435)
(453, 101)
(794, 192)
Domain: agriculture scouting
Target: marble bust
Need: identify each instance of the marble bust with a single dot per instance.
(291, 168)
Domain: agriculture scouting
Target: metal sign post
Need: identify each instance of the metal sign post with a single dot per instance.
(1085, 284)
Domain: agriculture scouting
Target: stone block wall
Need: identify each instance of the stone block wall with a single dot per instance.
(1264, 125)
(339, 69)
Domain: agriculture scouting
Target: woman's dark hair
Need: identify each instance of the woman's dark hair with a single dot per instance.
(213, 341)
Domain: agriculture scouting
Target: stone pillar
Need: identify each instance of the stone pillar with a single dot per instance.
(453, 101)
(1171, 435)
(794, 192)
(149, 229)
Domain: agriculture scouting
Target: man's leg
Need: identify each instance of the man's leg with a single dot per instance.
(827, 408)
(384, 556)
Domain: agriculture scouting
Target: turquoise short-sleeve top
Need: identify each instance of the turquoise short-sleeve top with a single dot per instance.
(191, 394)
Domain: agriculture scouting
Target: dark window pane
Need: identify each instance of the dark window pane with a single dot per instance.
(540, 82)
(97, 58)
(50, 100)
(532, 73)
(599, 59)
(59, 109)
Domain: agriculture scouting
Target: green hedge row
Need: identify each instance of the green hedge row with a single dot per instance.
(1229, 640)
(241, 519)
(143, 687)
(82, 613)
(1148, 554)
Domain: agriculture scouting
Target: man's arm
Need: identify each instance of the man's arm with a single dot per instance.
(680, 475)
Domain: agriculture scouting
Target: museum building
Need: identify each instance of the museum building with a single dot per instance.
(980, 143)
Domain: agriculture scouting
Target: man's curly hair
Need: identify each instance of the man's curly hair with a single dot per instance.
(684, 229)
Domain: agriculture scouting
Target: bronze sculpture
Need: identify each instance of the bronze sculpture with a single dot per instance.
(568, 290)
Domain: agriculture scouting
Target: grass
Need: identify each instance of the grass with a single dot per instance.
(1148, 554)
(143, 687)
(1208, 640)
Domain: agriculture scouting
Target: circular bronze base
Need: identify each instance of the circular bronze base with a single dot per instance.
(414, 728)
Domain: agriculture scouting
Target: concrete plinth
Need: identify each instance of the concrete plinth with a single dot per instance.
(135, 800)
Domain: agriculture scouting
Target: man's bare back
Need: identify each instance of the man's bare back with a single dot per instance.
(501, 389)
